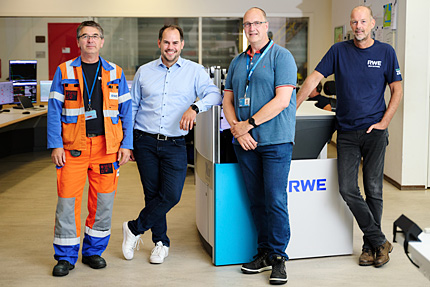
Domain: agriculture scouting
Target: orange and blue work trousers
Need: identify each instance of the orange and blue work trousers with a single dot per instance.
(102, 171)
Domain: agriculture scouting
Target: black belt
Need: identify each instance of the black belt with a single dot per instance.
(89, 135)
(161, 137)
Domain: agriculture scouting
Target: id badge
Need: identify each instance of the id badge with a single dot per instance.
(113, 96)
(244, 102)
(90, 115)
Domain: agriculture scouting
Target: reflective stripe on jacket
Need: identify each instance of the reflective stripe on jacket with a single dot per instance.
(66, 112)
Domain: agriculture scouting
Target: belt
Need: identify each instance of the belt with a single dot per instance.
(89, 135)
(161, 137)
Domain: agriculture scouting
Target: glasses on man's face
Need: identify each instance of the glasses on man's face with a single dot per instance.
(256, 24)
(86, 37)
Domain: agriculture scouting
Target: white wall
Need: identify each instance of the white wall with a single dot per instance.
(319, 11)
(17, 38)
(341, 10)
(145, 8)
(416, 101)
(394, 156)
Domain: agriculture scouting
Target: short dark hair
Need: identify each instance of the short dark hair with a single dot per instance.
(89, 24)
(319, 87)
(181, 33)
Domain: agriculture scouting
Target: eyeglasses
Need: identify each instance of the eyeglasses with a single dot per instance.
(86, 37)
(256, 24)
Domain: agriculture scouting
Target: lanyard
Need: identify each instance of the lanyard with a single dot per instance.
(94, 83)
(254, 66)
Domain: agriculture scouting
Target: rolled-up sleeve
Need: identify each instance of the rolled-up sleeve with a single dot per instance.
(209, 94)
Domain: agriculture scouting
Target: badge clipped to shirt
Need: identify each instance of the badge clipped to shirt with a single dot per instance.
(90, 115)
(244, 102)
(113, 96)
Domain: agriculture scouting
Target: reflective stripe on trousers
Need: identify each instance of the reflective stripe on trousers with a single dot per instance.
(102, 172)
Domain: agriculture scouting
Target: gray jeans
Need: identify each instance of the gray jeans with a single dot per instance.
(351, 147)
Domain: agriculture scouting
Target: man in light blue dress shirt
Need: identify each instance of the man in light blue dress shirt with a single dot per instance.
(164, 94)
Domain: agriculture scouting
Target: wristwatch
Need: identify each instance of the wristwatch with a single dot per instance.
(251, 121)
(195, 108)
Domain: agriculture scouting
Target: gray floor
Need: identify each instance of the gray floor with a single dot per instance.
(27, 207)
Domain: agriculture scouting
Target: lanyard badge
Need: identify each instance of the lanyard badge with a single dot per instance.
(246, 101)
(91, 114)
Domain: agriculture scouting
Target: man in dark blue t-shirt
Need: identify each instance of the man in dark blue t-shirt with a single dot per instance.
(363, 67)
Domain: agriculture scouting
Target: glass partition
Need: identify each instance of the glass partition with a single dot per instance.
(132, 41)
(292, 33)
(221, 41)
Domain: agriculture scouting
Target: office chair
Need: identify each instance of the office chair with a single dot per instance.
(330, 90)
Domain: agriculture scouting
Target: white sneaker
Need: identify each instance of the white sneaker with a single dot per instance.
(159, 253)
(130, 242)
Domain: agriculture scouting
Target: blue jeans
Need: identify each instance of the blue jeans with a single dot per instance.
(162, 166)
(351, 147)
(265, 173)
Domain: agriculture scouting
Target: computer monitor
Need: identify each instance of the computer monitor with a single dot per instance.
(312, 134)
(22, 70)
(6, 93)
(28, 89)
(45, 88)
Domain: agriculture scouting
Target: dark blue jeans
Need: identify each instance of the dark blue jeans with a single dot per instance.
(265, 173)
(162, 166)
(351, 147)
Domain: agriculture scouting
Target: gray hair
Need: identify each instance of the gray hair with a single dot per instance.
(89, 24)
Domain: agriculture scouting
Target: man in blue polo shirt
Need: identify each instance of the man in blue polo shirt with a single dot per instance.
(363, 67)
(163, 95)
(260, 105)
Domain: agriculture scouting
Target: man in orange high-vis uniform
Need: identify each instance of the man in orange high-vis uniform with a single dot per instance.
(90, 134)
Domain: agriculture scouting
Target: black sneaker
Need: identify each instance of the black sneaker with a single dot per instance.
(261, 263)
(279, 271)
(94, 261)
(62, 268)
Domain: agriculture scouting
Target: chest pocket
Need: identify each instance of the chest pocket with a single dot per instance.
(113, 92)
(72, 100)
(72, 92)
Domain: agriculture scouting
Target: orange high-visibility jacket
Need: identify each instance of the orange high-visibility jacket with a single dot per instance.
(66, 112)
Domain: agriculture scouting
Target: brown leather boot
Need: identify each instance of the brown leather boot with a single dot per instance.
(367, 258)
(382, 254)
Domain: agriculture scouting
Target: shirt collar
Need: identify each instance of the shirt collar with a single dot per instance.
(179, 62)
(106, 66)
(248, 50)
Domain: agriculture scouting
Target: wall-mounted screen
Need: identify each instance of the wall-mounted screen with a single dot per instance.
(22, 70)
